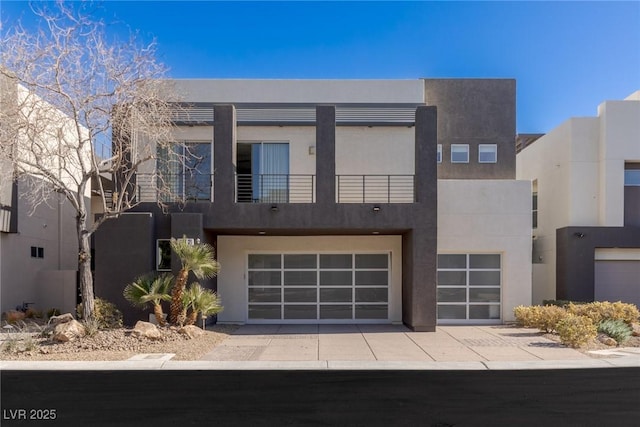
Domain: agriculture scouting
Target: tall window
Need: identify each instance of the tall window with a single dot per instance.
(439, 154)
(459, 153)
(263, 172)
(185, 170)
(534, 204)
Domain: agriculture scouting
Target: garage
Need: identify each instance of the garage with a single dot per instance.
(469, 288)
(318, 287)
(617, 275)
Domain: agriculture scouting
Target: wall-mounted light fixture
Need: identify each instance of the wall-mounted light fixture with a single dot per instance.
(375, 233)
(312, 150)
(274, 208)
(262, 233)
(578, 235)
(376, 208)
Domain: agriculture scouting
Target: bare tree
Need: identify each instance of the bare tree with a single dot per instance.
(79, 107)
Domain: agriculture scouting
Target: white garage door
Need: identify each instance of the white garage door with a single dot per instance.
(617, 275)
(318, 288)
(469, 288)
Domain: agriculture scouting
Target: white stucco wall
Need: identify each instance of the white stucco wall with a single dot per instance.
(490, 216)
(27, 279)
(232, 254)
(579, 167)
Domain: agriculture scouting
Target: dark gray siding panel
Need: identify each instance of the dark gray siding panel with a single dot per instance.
(575, 254)
(474, 112)
(632, 206)
(125, 249)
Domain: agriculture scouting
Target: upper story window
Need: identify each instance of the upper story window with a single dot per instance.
(459, 153)
(439, 154)
(632, 175)
(487, 153)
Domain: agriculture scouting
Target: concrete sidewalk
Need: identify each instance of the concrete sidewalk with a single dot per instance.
(374, 347)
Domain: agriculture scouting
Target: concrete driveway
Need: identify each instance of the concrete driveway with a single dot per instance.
(391, 343)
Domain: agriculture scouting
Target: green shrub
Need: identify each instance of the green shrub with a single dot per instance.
(106, 314)
(576, 331)
(605, 310)
(616, 329)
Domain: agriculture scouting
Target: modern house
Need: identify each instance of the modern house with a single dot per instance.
(38, 244)
(586, 198)
(340, 201)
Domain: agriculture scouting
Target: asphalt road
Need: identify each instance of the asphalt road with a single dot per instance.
(577, 397)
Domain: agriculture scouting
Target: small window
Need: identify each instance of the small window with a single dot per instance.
(487, 153)
(459, 153)
(439, 154)
(534, 204)
(37, 252)
(632, 178)
(163, 254)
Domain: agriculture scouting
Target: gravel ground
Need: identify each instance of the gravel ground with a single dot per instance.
(115, 344)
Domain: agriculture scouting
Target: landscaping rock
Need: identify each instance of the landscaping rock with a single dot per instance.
(68, 331)
(191, 331)
(607, 341)
(146, 330)
(63, 318)
(636, 329)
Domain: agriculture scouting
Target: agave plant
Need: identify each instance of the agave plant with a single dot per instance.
(200, 301)
(150, 290)
(197, 258)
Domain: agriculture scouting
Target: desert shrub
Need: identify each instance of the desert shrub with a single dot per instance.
(106, 314)
(32, 313)
(526, 315)
(576, 331)
(560, 302)
(548, 317)
(91, 327)
(616, 329)
(14, 316)
(605, 310)
(544, 318)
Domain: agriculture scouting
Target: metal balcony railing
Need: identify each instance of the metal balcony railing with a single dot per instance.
(375, 188)
(275, 188)
(183, 187)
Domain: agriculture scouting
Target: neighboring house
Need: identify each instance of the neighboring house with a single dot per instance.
(38, 247)
(340, 201)
(586, 221)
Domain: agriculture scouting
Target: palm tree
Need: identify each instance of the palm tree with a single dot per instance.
(197, 258)
(150, 290)
(200, 300)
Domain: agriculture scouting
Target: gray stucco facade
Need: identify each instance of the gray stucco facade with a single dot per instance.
(127, 244)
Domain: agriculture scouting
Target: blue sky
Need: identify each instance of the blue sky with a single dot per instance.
(566, 57)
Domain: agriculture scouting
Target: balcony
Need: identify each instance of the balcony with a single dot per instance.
(184, 187)
(375, 188)
(275, 188)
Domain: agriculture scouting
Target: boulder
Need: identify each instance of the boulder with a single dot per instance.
(68, 331)
(636, 329)
(191, 331)
(607, 341)
(146, 330)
